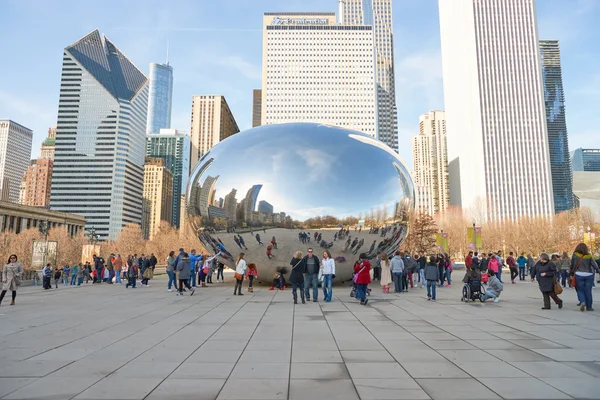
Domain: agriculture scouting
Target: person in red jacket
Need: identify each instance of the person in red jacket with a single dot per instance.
(469, 260)
(362, 278)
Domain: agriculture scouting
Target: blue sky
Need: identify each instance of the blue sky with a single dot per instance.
(215, 48)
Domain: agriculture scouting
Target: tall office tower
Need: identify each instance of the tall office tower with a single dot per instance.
(158, 196)
(265, 207)
(558, 140)
(212, 121)
(586, 178)
(378, 14)
(586, 160)
(430, 160)
(15, 153)
(317, 71)
(230, 206)
(256, 107)
(173, 146)
(100, 136)
(160, 97)
(49, 145)
(36, 182)
(499, 163)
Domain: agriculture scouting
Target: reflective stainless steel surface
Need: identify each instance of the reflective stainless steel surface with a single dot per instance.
(275, 180)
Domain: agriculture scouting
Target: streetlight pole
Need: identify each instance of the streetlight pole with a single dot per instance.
(474, 237)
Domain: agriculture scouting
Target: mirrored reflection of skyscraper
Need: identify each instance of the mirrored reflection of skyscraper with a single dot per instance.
(230, 205)
(173, 146)
(100, 136)
(378, 14)
(160, 97)
(558, 140)
(249, 203)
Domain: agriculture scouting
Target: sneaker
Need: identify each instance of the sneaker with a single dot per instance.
(496, 300)
(169, 290)
(590, 309)
(362, 303)
(272, 288)
(433, 300)
(366, 301)
(582, 307)
(192, 292)
(428, 297)
(315, 300)
(560, 305)
(147, 285)
(513, 282)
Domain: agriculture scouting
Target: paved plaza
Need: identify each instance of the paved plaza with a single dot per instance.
(108, 342)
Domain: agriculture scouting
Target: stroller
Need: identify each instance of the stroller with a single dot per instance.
(473, 291)
(353, 289)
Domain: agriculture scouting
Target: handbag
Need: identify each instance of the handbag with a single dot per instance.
(237, 276)
(355, 277)
(573, 279)
(558, 289)
(320, 275)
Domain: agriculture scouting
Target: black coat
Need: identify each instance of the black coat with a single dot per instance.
(546, 282)
(304, 264)
(297, 273)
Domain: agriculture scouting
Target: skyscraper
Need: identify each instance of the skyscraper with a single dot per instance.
(499, 164)
(212, 121)
(265, 207)
(586, 178)
(49, 145)
(173, 146)
(100, 136)
(430, 160)
(586, 160)
(15, 153)
(558, 140)
(317, 71)
(256, 107)
(378, 14)
(158, 196)
(36, 183)
(160, 97)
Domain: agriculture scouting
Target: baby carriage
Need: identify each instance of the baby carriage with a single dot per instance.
(353, 289)
(473, 291)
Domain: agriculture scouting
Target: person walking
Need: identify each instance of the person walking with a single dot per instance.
(397, 266)
(297, 276)
(220, 268)
(185, 271)
(240, 271)
(171, 271)
(432, 276)
(327, 273)
(546, 276)
(522, 263)
(251, 275)
(512, 266)
(583, 269)
(196, 265)
(257, 237)
(386, 273)
(132, 275)
(564, 265)
(311, 275)
(422, 264)
(362, 269)
(74, 272)
(57, 276)
(12, 273)
(148, 273)
(81, 271)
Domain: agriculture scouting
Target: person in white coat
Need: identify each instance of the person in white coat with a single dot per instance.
(327, 273)
(12, 274)
(240, 272)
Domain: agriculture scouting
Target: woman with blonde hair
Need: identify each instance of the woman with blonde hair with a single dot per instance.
(240, 271)
(297, 276)
(386, 273)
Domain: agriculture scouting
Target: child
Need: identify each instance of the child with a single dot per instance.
(36, 279)
(66, 275)
(250, 275)
(57, 276)
(495, 287)
(269, 252)
(81, 272)
(132, 275)
(432, 275)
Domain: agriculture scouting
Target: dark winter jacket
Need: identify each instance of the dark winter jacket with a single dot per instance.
(432, 273)
(546, 282)
(184, 268)
(297, 272)
(587, 264)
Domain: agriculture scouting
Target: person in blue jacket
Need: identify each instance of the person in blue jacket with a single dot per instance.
(194, 259)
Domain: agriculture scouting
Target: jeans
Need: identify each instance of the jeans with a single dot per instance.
(73, 279)
(220, 272)
(442, 273)
(117, 276)
(56, 283)
(130, 282)
(172, 281)
(314, 279)
(449, 276)
(250, 279)
(521, 273)
(397, 278)
(192, 280)
(490, 294)
(563, 277)
(499, 274)
(79, 281)
(238, 286)
(404, 282)
(422, 277)
(584, 289)
(361, 292)
(326, 284)
(431, 289)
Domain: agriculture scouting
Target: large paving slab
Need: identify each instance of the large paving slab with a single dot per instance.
(108, 342)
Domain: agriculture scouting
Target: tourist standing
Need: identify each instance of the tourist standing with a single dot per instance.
(12, 273)
(564, 266)
(47, 277)
(546, 276)
(512, 266)
(583, 268)
(57, 276)
(220, 267)
(171, 271)
(422, 264)
(74, 272)
(328, 273)
(386, 273)
(185, 271)
(118, 266)
(311, 267)
(194, 263)
(132, 275)
(240, 271)
(432, 276)
(522, 263)
(81, 271)
(362, 269)
(297, 276)
(397, 266)
(251, 274)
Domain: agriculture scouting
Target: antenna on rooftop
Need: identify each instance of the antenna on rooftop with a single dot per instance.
(168, 51)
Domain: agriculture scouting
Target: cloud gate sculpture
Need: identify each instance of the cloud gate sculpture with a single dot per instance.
(288, 183)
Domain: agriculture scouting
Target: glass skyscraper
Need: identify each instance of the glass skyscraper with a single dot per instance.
(100, 136)
(558, 140)
(160, 97)
(586, 160)
(174, 147)
(378, 14)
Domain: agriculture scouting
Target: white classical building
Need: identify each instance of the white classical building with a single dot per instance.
(315, 70)
(496, 121)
